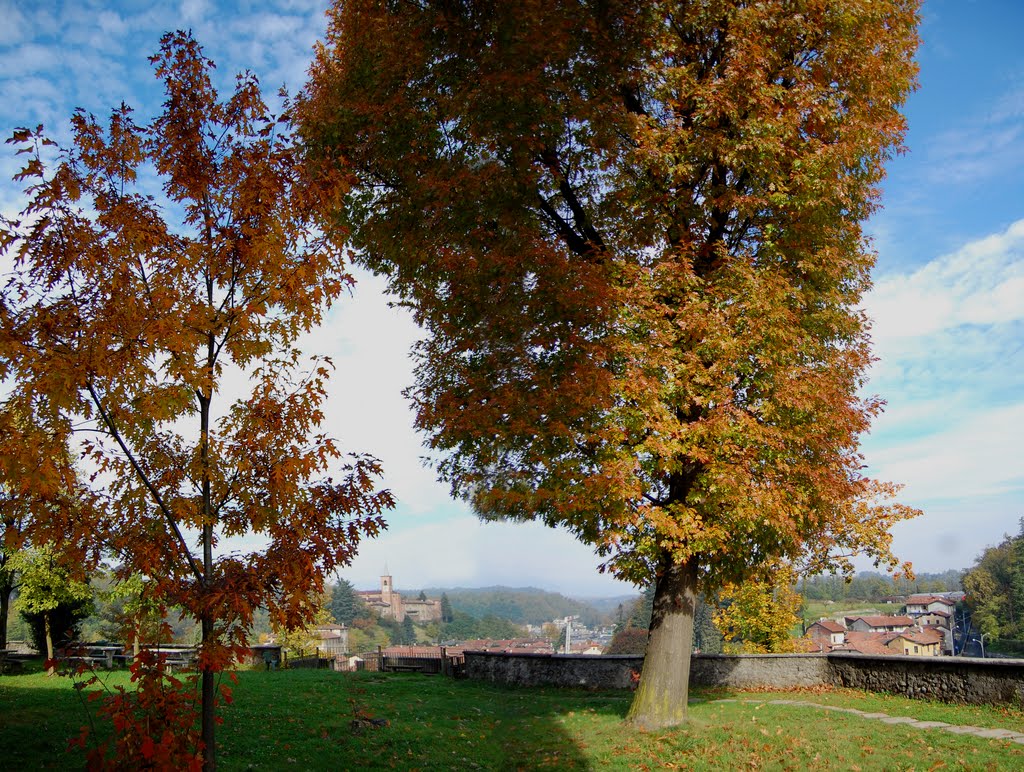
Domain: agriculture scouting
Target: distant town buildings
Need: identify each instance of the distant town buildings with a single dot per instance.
(391, 605)
(924, 629)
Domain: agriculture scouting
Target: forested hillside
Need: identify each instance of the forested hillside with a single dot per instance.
(870, 585)
(521, 605)
(995, 592)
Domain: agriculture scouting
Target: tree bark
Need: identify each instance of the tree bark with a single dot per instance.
(6, 588)
(48, 635)
(661, 696)
(208, 723)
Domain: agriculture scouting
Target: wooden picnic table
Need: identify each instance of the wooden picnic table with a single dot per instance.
(172, 656)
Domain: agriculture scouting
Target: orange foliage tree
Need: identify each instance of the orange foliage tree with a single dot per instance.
(169, 348)
(633, 233)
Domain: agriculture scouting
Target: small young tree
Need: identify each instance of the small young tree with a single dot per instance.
(168, 332)
(40, 494)
(759, 615)
(53, 596)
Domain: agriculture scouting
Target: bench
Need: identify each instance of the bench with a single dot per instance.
(405, 668)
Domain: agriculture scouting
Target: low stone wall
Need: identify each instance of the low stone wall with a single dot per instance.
(582, 671)
(951, 679)
(749, 671)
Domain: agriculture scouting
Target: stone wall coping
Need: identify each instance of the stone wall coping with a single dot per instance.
(993, 662)
(549, 655)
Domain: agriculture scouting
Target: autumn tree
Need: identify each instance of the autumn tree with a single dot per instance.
(155, 330)
(39, 493)
(759, 615)
(633, 234)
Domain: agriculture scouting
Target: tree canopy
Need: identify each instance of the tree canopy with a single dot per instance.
(633, 232)
(995, 589)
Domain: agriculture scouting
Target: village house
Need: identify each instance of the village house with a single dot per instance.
(923, 642)
(332, 640)
(826, 633)
(877, 635)
(918, 605)
(935, 619)
(879, 624)
(391, 605)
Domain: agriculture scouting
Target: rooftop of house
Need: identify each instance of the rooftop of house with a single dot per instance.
(829, 624)
(864, 643)
(925, 600)
(922, 636)
(881, 621)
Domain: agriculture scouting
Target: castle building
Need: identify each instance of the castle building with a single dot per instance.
(392, 605)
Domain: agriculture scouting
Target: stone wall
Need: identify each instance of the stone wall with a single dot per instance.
(583, 671)
(951, 679)
(783, 671)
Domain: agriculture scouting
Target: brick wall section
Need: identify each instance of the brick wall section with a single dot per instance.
(951, 679)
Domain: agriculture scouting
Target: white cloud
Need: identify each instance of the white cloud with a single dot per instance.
(951, 340)
(462, 551)
(980, 284)
(971, 455)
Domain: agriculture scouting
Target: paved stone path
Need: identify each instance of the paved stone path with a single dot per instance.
(977, 731)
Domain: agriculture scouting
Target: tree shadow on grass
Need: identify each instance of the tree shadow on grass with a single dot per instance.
(407, 721)
(38, 714)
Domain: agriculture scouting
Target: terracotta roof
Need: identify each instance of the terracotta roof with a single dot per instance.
(924, 600)
(412, 651)
(881, 621)
(828, 624)
(925, 637)
(864, 643)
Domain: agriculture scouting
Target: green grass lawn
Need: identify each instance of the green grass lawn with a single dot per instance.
(303, 720)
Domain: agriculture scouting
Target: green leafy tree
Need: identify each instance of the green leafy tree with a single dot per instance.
(408, 631)
(992, 589)
(707, 638)
(447, 615)
(633, 232)
(345, 604)
(55, 592)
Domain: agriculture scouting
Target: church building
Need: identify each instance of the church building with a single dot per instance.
(391, 605)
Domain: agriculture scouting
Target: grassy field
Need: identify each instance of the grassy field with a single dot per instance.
(304, 720)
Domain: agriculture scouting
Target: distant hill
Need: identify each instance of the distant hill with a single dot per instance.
(609, 606)
(524, 605)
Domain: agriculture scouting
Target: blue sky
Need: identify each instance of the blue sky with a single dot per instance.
(948, 301)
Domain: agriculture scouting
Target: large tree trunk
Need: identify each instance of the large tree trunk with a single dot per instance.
(662, 694)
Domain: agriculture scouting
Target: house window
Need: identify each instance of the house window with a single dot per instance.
(915, 649)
